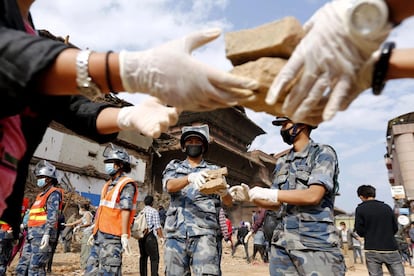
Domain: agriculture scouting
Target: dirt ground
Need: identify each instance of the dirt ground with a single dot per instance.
(68, 264)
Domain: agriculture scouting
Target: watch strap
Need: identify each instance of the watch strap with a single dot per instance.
(381, 68)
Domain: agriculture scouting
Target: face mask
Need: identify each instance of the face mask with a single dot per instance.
(194, 150)
(110, 168)
(287, 137)
(41, 182)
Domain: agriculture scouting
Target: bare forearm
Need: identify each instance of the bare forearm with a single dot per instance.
(60, 77)
(177, 184)
(106, 122)
(400, 10)
(401, 64)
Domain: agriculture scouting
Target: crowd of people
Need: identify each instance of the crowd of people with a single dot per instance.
(342, 54)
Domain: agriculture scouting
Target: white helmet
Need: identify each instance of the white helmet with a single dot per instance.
(44, 168)
(201, 131)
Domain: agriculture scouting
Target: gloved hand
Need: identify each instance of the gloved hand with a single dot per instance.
(170, 73)
(240, 192)
(197, 178)
(264, 193)
(150, 117)
(44, 242)
(125, 244)
(223, 192)
(248, 236)
(322, 76)
(91, 240)
(77, 227)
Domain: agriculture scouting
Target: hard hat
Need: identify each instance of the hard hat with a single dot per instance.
(44, 168)
(201, 132)
(114, 153)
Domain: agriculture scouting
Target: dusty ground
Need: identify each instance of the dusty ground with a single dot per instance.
(68, 264)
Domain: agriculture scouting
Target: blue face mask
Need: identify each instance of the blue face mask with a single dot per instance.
(41, 182)
(110, 168)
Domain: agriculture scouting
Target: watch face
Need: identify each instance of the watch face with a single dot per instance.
(367, 18)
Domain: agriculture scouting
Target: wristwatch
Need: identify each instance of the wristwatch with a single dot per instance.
(85, 84)
(367, 18)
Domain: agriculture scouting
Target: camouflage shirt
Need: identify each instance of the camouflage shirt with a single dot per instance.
(190, 213)
(307, 227)
(53, 211)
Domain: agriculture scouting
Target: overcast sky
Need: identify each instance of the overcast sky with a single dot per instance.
(358, 134)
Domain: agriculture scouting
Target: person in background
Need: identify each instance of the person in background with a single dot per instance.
(346, 236)
(45, 80)
(229, 231)
(259, 245)
(221, 234)
(376, 223)
(303, 192)
(83, 224)
(192, 222)
(341, 55)
(357, 248)
(242, 232)
(8, 249)
(42, 223)
(163, 215)
(148, 245)
(112, 227)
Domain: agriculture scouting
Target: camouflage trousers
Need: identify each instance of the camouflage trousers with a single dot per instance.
(105, 258)
(198, 253)
(305, 262)
(6, 248)
(33, 260)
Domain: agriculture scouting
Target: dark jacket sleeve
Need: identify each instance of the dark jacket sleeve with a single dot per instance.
(81, 116)
(359, 224)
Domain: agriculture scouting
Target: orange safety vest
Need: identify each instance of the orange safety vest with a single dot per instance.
(108, 218)
(38, 212)
(25, 205)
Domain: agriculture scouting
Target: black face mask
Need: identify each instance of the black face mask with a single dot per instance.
(194, 150)
(287, 137)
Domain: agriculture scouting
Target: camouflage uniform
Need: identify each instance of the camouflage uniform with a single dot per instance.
(191, 226)
(106, 253)
(34, 259)
(6, 248)
(306, 243)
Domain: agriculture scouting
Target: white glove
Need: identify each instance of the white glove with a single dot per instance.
(125, 244)
(322, 75)
(170, 73)
(264, 193)
(77, 227)
(91, 240)
(247, 237)
(44, 242)
(150, 117)
(223, 192)
(197, 178)
(240, 192)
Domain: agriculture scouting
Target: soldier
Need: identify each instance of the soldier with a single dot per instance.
(42, 223)
(191, 226)
(114, 216)
(7, 250)
(304, 187)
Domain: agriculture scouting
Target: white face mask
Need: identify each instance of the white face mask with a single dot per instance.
(110, 168)
(41, 182)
